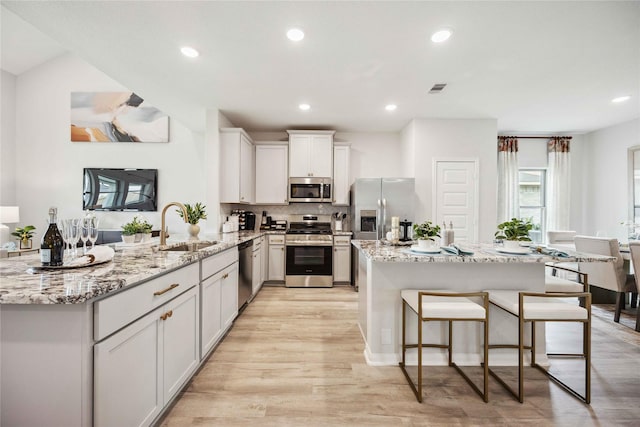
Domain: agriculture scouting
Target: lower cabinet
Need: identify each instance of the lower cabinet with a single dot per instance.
(256, 275)
(276, 258)
(341, 259)
(218, 297)
(139, 369)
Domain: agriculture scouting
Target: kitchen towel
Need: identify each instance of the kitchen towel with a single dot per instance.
(456, 250)
(96, 255)
(551, 252)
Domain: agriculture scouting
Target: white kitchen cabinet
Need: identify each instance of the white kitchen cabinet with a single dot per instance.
(264, 250)
(341, 177)
(237, 166)
(341, 258)
(276, 258)
(139, 369)
(310, 154)
(272, 175)
(256, 276)
(218, 297)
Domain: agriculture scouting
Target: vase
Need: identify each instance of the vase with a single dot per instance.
(146, 237)
(129, 239)
(426, 243)
(511, 244)
(25, 244)
(193, 230)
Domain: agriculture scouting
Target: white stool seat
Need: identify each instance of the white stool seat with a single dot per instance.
(557, 284)
(436, 307)
(537, 308)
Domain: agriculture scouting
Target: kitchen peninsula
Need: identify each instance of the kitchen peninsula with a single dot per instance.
(112, 344)
(383, 271)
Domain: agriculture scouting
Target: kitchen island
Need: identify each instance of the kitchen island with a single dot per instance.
(384, 270)
(76, 342)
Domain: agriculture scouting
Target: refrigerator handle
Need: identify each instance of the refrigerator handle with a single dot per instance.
(378, 216)
(384, 217)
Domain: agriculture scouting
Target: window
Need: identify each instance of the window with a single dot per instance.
(532, 200)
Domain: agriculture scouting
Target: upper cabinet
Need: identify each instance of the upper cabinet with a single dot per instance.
(310, 153)
(237, 166)
(341, 178)
(271, 174)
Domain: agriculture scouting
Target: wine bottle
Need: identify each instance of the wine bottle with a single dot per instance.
(52, 244)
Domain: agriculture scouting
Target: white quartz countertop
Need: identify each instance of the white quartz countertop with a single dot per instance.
(132, 264)
(482, 253)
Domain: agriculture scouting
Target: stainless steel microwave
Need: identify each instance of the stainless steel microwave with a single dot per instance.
(310, 190)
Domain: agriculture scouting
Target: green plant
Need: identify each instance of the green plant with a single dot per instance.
(194, 213)
(426, 231)
(130, 228)
(25, 233)
(137, 225)
(516, 229)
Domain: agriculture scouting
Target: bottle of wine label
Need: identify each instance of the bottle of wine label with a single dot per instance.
(52, 244)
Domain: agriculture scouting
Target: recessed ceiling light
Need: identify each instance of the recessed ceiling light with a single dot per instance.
(295, 34)
(391, 107)
(440, 36)
(189, 51)
(621, 98)
(304, 107)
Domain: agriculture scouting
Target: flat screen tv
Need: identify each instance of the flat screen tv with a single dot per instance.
(120, 189)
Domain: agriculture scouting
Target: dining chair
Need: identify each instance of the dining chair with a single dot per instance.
(561, 236)
(563, 276)
(634, 250)
(606, 275)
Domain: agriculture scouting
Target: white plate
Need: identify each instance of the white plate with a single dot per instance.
(514, 251)
(416, 248)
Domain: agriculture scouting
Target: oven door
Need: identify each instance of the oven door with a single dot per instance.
(309, 265)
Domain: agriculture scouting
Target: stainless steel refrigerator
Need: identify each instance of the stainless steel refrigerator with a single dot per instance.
(375, 200)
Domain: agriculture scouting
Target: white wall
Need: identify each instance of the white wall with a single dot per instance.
(605, 185)
(8, 140)
(450, 138)
(53, 175)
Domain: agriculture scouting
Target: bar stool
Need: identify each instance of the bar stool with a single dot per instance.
(451, 307)
(543, 307)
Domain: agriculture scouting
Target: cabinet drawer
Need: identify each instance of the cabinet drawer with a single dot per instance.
(276, 239)
(113, 313)
(217, 262)
(341, 240)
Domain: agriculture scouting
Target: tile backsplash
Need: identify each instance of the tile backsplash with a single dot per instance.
(291, 212)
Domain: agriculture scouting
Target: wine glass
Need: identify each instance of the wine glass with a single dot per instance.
(64, 231)
(74, 236)
(93, 231)
(84, 233)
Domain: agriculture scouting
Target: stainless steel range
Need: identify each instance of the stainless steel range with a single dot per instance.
(309, 253)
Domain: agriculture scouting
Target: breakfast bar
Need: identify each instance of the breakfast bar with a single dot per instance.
(384, 270)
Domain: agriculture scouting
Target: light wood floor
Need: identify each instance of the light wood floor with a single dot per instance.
(295, 358)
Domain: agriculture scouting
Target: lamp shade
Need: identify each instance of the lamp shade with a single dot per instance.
(9, 214)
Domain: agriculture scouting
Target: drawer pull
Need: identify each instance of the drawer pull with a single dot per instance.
(157, 293)
(225, 276)
(167, 315)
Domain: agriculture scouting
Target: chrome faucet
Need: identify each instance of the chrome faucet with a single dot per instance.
(185, 215)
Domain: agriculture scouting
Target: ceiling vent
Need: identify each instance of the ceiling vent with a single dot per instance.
(437, 88)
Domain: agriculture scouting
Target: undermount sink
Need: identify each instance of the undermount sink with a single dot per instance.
(189, 247)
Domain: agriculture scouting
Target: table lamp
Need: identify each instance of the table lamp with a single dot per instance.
(8, 215)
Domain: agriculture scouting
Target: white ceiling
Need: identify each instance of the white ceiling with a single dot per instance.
(537, 67)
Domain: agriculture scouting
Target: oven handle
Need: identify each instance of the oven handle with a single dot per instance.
(308, 243)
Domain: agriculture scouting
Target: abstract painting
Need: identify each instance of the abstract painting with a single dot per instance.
(116, 117)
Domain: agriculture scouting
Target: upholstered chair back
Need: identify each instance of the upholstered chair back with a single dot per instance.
(607, 275)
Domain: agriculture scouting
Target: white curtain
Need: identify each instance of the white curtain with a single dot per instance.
(508, 179)
(558, 188)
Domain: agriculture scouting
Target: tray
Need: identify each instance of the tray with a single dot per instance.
(66, 267)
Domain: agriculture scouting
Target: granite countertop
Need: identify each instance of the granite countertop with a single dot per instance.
(482, 253)
(132, 264)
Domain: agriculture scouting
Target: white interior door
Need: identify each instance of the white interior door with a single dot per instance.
(455, 193)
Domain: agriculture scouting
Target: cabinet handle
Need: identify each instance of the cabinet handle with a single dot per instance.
(225, 276)
(170, 313)
(166, 315)
(157, 293)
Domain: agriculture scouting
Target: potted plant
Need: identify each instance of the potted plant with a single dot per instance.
(194, 214)
(24, 235)
(513, 232)
(425, 234)
(129, 231)
(144, 229)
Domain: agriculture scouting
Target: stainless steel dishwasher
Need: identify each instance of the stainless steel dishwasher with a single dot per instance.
(245, 276)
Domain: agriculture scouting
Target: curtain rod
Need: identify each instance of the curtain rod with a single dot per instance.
(533, 137)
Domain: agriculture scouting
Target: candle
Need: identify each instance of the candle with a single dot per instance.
(395, 221)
